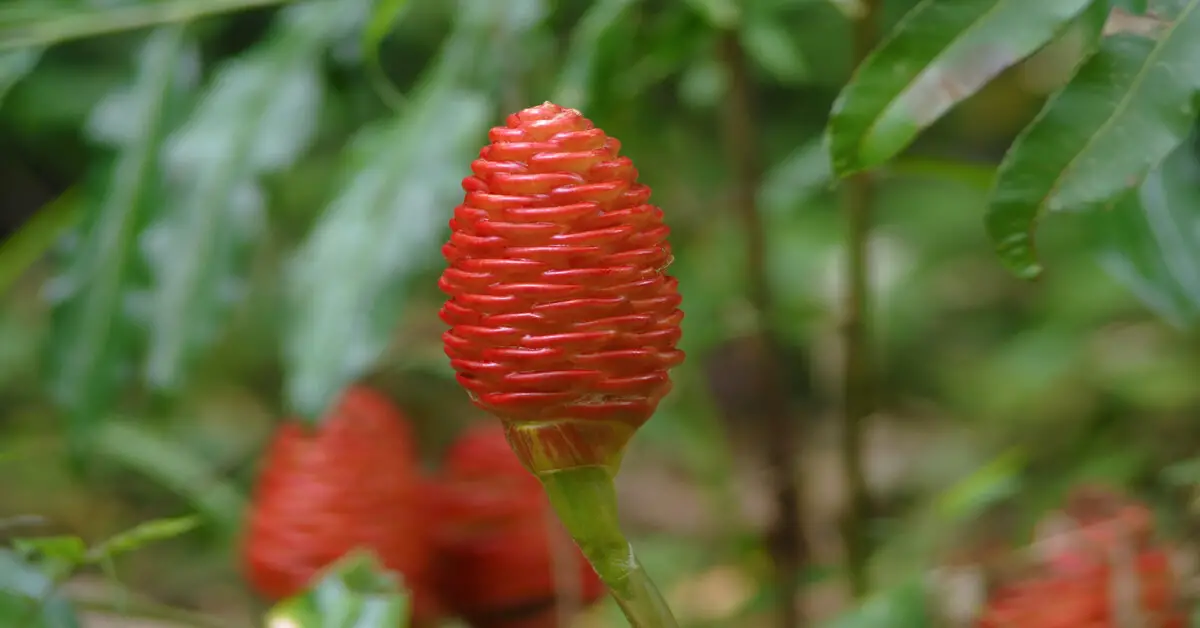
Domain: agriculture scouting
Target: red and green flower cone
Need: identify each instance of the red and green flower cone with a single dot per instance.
(563, 321)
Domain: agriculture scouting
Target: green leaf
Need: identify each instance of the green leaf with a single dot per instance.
(353, 593)
(141, 535)
(802, 174)
(347, 285)
(14, 65)
(902, 606)
(92, 331)
(27, 596)
(999, 478)
(941, 52)
(257, 117)
(53, 23)
(347, 288)
(173, 466)
(1150, 239)
(769, 43)
(37, 235)
(65, 552)
(1125, 110)
(586, 40)
(720, 13)
(380, 23)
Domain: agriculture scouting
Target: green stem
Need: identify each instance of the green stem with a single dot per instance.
(586, 502)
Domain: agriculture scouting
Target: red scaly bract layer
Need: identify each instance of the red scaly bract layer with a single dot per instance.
(496, 559)
(559, 304)
(350, 483)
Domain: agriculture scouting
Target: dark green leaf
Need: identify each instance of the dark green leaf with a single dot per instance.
(1150, 239)
(37, 236)
(353, 593)
(140, 535)
(257, 117)
(1124, 111)
(27, 596)
(92, 332)
(941, 52)
(576, 74)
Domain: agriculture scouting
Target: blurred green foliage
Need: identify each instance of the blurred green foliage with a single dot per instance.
(217, 214)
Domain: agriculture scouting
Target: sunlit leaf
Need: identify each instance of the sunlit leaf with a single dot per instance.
(1119, 117)
(576, 74)
(66, 551)
(141, 535)
(1150, 239)
(941, 52)
(719, 13)
(27, 596)
(257, 117)
(93, 334)
(355, 592)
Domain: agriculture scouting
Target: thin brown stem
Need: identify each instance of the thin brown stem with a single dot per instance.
(858, 390)
(786, 540)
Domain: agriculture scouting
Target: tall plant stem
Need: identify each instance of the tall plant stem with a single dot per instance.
(858, 390)
(586, 503)
(786, 540)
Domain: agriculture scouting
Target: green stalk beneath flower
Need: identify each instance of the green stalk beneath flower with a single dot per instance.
(586, 502)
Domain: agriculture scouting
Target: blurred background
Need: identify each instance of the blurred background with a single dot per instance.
(267, 190)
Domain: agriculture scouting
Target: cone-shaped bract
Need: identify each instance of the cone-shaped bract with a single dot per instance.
(498, 550)
(351, 482)
(563, 322)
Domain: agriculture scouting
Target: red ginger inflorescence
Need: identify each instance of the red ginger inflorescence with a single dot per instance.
(495, 539)
(1079, 585)
(563, 322)
(351, 482)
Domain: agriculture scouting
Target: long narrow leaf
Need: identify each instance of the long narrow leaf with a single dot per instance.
(1125, 110)
(348, 284)
(941, 52)
(257, 117)
(92, 333)
(574, 81)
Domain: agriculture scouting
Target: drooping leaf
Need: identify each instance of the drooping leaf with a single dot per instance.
(941, 52)
(379, 24)
(354, 592)
(65, 552)
(258, 116)
(347, 286)
(1125, 110)
(769, 43)
(1150, 239)
(92, 333)
(902, 606)
(27, 596)
(576, 74)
